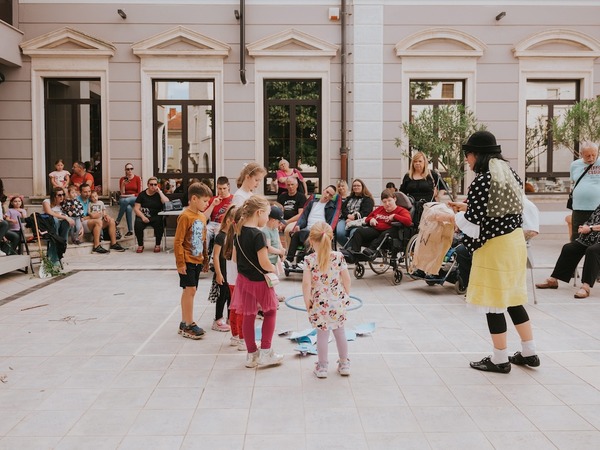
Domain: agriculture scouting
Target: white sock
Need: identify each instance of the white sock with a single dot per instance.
(528, 348)
(500, 356)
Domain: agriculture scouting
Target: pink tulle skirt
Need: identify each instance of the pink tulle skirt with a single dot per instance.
(250, 295)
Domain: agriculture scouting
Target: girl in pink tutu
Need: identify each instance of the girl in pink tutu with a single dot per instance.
(251, 289)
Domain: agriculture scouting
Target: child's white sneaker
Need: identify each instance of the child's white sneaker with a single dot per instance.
(344, 367)
(234, 341)
(320, 370)
(2, 253)
(268, 357)
(252, 360)
(242, 346)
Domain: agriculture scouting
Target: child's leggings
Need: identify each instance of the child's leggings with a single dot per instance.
(268, 328)
(224, 297)
(323, 341)
(235, 319)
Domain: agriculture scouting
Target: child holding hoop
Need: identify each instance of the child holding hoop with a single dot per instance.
(326, 290)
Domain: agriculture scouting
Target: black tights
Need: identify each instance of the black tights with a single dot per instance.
(497, 322)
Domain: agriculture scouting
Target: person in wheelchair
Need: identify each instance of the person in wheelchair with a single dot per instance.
(323, 208)
(379, 225)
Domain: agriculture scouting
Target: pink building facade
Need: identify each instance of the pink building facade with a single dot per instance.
(326, 85)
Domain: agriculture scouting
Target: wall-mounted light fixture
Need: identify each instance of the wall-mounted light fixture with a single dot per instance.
(501, 15)
(121, 13)
(236, 13)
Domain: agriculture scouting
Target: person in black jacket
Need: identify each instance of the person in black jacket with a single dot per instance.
(358, 205)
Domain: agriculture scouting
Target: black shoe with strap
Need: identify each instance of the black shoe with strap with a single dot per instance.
(520, 360)
(487, 365)
(117, 248)
(101, 250)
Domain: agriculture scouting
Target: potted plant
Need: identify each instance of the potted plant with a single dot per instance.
(439, 133)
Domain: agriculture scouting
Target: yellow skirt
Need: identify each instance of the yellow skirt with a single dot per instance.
(498, 274)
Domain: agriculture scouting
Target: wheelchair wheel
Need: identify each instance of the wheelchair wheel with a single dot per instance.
(458, 287)
(359, 271)
(381, 264)
(397, 276)
(409, 256)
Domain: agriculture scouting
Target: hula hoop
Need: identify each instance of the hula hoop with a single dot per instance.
(289, 304)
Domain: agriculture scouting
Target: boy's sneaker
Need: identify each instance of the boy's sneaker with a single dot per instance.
(117, 248)
(300, 266)
(520, 360)
(192, 331)
(242, 346)
(287, 264)
(220, 325)
(100, 250)
(181, 327)
(234, 341)
(252, 360)
(344, 367)
(268, 357)
(320, 370)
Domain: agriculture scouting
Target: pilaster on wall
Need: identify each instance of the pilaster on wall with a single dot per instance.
(367, 128)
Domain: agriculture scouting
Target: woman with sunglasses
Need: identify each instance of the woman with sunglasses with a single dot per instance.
(53, 207)
(147, 206)
(130, 186)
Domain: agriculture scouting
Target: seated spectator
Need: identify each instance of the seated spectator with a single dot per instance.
(292, 201)
(53, 207)
(379, 224)
(59, 177)
(130, 186)
(147, 206)
(358, 205)
(81, 175)
(217, 208)
(10, 223)
(342, 189)
(420, 182)
(324, 208)
(73, 208)
(285, 173)
(95, 219)
(586, 244)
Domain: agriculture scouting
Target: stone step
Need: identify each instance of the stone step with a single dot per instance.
(13, 262)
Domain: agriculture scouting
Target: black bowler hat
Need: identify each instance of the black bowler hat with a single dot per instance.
(481, 142)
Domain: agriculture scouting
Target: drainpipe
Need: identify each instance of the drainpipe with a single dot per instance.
(343, 130)
(241, 16)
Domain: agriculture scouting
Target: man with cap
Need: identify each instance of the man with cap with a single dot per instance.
(274, 247)
(491, 220)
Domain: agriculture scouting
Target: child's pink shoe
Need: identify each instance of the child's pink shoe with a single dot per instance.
(220, 325)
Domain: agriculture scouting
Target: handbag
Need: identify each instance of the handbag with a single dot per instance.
(570, 199)
(214, 292)
(355, 223)
(270, 278)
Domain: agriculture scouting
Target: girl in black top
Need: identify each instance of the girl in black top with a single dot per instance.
(251, 290)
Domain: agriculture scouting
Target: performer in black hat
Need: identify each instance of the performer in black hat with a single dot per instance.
(491, 220)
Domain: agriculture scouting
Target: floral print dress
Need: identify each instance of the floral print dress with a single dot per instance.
(328, 310)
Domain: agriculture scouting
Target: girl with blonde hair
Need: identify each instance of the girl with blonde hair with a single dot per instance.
(326, 289)
(252, 258)
(250, 177)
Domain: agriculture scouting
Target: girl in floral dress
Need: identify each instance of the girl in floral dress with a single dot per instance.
(326, 289)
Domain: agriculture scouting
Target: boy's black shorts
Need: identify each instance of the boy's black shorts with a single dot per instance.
(190, 279)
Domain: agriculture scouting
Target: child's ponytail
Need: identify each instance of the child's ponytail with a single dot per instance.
(228, 246)
(320, 237)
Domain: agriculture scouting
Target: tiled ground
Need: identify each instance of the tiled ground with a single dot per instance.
(102, 366)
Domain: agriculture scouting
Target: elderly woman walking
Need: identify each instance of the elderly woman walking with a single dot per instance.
(491, 221)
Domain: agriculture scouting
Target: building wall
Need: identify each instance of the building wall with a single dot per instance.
(375, 101)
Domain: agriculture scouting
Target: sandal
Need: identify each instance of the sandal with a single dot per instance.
(157, 249)
(583, 292)
(140, 249)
